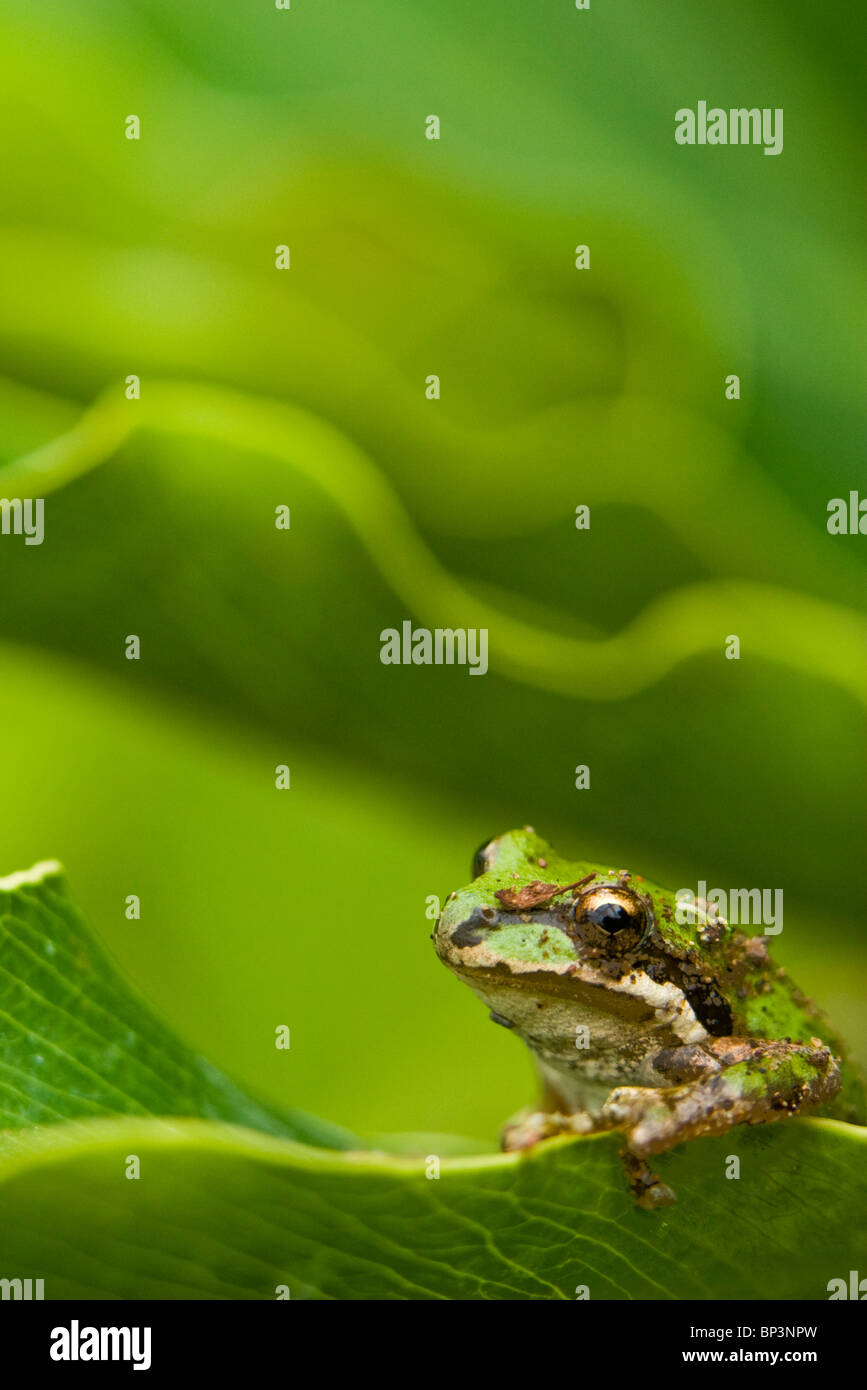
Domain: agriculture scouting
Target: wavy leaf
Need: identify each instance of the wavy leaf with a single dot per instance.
(219, 1212)
(75, 1042)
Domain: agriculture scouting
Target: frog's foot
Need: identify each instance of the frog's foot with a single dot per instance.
(739, 1081)
(530, 1127)
(646, 1187)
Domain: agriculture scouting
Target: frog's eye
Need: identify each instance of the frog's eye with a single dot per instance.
(483, 859)
(610, 916)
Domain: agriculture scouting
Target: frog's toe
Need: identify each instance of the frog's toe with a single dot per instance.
(526, 1129)
(658, 1194)
(531, 1127)
(649, 1191)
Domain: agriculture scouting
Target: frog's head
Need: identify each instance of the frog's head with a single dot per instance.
(583, 942)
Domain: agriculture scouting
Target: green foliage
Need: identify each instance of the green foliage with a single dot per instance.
(306, 388)
(91, 1081)
(225, 1213)
(75, 1042)
(260, 647)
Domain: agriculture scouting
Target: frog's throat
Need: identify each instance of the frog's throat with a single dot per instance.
(587, 1032)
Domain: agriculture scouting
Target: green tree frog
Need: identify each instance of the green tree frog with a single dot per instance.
(662, 1029)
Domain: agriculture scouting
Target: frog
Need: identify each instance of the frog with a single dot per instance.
(644, 1016)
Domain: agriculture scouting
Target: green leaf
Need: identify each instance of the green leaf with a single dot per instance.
(75, 1042)
(220, 1212)
(90, 1079)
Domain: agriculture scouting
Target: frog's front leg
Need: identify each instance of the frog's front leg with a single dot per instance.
(530, 1126)
(728, 1081)
(725, 1082)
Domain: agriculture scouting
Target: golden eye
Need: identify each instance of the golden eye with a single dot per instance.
(610, 916)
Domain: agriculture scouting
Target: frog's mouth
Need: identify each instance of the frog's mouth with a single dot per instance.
(517, 987)
(583, 988)
(582, 985)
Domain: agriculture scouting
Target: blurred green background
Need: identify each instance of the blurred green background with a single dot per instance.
(605, 387)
